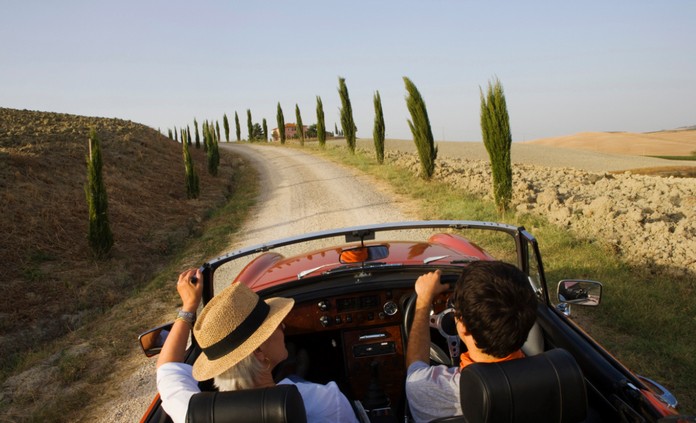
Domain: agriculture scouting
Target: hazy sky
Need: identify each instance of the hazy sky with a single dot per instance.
(566, 67)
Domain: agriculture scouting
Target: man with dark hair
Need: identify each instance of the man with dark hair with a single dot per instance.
(495, 308)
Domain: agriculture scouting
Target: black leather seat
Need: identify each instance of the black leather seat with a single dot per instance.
(279, 404)
(548, 387)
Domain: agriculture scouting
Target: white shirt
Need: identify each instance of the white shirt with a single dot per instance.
(323, 403)
(432, 391)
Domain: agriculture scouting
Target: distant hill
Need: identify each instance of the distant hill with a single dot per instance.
(680, 142)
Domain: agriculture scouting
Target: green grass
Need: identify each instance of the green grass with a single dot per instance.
(647, 318)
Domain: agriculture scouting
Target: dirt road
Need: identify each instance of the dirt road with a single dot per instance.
(299, 193)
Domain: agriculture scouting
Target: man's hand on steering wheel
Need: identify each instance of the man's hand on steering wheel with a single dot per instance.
(417, 323)
(428, 287)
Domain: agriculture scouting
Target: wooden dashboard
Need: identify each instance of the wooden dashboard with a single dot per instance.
(359, 310)
(368, 330)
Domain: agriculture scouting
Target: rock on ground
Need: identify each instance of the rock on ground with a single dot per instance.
(650, 220)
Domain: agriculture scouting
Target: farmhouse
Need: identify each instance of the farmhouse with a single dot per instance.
(290, 131)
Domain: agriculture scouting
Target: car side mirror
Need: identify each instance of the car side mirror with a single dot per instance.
(152, 341)
(580, 292)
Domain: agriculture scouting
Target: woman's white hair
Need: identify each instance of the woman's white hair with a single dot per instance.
(242, 375)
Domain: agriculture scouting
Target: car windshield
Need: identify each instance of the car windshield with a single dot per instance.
(298, 260)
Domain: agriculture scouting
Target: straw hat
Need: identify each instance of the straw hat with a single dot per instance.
(232, 325)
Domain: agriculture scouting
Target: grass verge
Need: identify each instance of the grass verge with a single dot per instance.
(645, 319)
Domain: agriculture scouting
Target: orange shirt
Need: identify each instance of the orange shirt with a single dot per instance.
(465, 360)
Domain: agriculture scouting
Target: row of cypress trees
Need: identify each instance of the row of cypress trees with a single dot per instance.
(99, 235)
(495, 129)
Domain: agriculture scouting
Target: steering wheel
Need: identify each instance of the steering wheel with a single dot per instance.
(445, 325)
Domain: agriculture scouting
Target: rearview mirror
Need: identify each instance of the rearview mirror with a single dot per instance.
(363, 254)
(152, 341)
(580, 292)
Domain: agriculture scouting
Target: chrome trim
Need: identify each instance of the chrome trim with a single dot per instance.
(304, 273)
(434, 258)
(564, 308)
(352, 231)
(660, 391)
(372, 336)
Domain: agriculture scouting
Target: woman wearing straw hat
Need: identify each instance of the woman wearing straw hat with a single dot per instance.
(242, 341)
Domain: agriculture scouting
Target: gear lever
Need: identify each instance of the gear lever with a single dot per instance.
(376, 400)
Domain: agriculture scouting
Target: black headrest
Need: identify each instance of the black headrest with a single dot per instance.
(279, 404)
(548, 387)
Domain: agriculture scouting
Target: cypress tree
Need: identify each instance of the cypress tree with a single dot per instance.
(213, 153)
(236, 122)
(217, 130)
(300, 127)
(420, 128)
(176, 135)
(226, 124)
(321, 126)
(347, 122)
(250, 126)
(192, 188)
(281, 124)
(100, 237)
(188, 134)
(206, 134)
(169, 132)
(265, 130)
(495, 129)
(378, 132)
(335, 130)
(195, 128)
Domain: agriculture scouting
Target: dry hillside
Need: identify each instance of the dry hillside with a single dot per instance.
(52, 283)
(662, 143)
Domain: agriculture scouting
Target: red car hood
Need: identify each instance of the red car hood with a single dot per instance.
(271, 269)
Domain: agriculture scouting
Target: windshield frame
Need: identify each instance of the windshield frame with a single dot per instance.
(528, 256)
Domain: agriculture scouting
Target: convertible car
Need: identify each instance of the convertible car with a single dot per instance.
(354, 302)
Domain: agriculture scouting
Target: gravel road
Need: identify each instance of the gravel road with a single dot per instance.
(300, 193)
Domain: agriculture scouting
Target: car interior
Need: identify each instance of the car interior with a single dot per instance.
(357, 337)
(351, 326)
